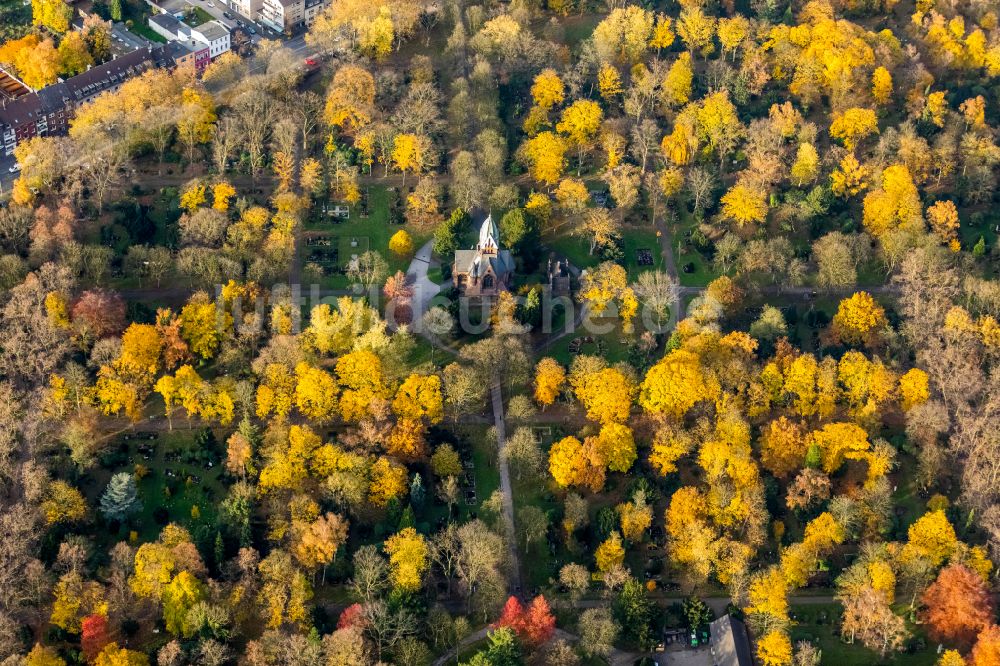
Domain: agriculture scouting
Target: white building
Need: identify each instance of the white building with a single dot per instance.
(207, 41)
(215, 35)
(286, 15)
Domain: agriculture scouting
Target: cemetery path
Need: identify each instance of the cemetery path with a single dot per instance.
(424, 290)
(507, 489)
(666, 248)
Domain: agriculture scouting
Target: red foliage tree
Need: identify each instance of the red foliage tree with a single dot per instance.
(93, 635)
(987, 649)
(534, 625)
(512, 615)
(957, 605)
(353, 616)
(99, 313)
(539, 622)
(399, 294)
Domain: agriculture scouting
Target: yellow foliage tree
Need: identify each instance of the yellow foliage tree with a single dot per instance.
(276, 392)
(881, 86)
(853, 125)
(838, 442)
(550, 377)
(315, 393)
(401, 244)
(896, 205)
(943, 217)
(914, 389)
(407, 559)
(193, 196)
(607, 395)
(388, 481)
(617, 446)
(419, 397)
(676, 88)
(350, 101)
(744, 204)
(360, 377)
(610, 553)
(806, 166)
(545, 154)
(609, 82)
(775, 649)
(548, 89)
(783, 447)
(675, 384)
(932, 538)
(849, 177)
(859, 319)
(580, 123)
(222, 194)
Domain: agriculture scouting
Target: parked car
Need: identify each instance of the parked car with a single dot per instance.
(251, 30)
(228, 15)
(15, 168)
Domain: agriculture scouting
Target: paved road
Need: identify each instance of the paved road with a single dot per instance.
(424, 290)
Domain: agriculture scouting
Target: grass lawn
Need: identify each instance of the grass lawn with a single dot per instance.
(472, 443)
(816, 623)
(197, 16)
(181, 475)
(579, 28)
(357, 235)
(577, 249)
(140, 28)
(701, 271)
(612, 345)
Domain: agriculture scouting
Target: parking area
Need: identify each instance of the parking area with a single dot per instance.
(685, 656)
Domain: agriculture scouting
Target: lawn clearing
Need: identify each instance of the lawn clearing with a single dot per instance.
(344, 239)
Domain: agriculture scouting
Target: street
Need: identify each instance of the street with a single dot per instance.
(6, 177)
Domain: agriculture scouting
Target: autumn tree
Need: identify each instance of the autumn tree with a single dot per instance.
(853, 125)
(859, 319)
(545, 155)
(957, 605)
(534, 625)
(580, 123)
(350, 101)
(744, 205)
(549, 379)
(624, 34)
(407, 559)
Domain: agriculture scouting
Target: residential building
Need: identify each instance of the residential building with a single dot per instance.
(215, 35)
(169, 27)
(48, 111)
(248, 8)
(485, 270)
(313, 9)
(282, 15)
(287, 15)
(204, 42)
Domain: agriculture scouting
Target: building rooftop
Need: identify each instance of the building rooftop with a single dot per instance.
(212, 30)
(168, 23)
(729, 642)
(81, 87)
